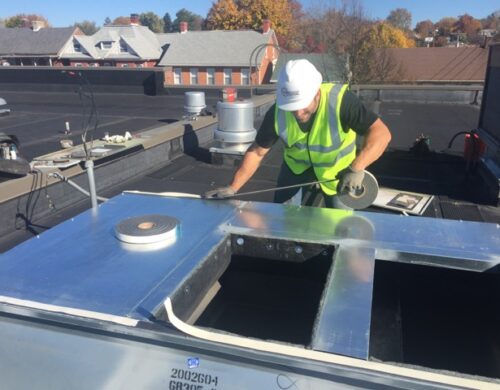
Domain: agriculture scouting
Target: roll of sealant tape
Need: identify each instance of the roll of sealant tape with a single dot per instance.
(360, 199)
(147, 229)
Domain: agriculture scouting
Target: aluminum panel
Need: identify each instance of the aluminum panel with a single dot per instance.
(454, 244)
(81, 264)
(343, 326)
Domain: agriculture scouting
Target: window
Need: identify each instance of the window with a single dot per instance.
(77, 47)
(140, 65)
(124, 65)
(245, 76)
(94, 64)
(193, 75)
(210, 76)
(106, 45)
(123, 47)
(77, 64)
(228, 76)
(177, 75)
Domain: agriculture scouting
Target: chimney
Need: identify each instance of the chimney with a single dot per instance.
(183, 27)
(134, 19)
(37, 25)
(266, 26)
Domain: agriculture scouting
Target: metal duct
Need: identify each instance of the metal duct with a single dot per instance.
(194, 102)
(235, 122)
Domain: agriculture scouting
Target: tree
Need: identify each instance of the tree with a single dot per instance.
(195, 22)
(400, 18)
(425, 28)
(167, 23)
(87, 27)
(376, 63)
(254, 12)
(468, 25)
(224, 15)
(292, 41)
(24, 20)
(107, 21)
(446, 26)
(153, 21)
(121, 21)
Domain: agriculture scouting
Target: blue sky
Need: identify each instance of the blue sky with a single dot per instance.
(65, 13)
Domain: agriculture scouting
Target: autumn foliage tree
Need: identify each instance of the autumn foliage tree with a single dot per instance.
(446, 26)
(24, 20)
(376, 62)
(224, 15)
(469, 26)
(425, 28)
(121, 21)
(249, 14)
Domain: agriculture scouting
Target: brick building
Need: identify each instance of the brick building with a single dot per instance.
(219, 57)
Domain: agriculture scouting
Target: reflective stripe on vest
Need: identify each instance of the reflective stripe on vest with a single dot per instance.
(327, 153)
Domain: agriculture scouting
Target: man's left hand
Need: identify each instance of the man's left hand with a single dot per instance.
(350, 179)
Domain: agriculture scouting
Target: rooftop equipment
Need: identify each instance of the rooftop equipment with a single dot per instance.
(194, 103)
(235, 131)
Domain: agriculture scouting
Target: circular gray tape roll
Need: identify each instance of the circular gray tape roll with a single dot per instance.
(147, 229)
(364, 198)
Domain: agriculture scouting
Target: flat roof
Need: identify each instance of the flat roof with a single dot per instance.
(38, 120)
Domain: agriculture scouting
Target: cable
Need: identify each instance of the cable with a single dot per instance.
(456, 135)
(275, 189)
(61, 177)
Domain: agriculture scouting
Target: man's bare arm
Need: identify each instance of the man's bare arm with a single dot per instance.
(376, 141)
(251, 161)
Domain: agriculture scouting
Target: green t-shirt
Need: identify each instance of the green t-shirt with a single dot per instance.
(353, 115)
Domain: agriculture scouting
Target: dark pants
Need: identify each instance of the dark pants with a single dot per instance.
(296, 195)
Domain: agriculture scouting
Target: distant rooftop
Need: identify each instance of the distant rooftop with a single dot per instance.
(212, 48)
(454, 64)
(24, 41)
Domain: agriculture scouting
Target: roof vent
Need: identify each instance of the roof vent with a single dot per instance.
(194, 103)
(235, 131)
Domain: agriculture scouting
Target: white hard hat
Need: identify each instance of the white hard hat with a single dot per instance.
(298, 83)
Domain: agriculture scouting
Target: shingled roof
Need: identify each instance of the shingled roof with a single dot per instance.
(141, 41)
(453, 64)
(213, 48)
(24, 41)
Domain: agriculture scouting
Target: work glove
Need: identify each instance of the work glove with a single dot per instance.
(350, 180)
(220, 193)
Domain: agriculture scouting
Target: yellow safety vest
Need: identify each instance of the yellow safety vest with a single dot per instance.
(326, 147)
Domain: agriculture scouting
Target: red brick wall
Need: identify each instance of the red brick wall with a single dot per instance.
(237, 76)
(202, 75)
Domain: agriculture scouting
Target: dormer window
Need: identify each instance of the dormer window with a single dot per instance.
(106, 45)
(123, 47)
(77, 47)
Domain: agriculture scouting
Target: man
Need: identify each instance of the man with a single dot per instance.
(317, 124)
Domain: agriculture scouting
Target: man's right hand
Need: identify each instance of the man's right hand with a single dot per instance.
(220, 193)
